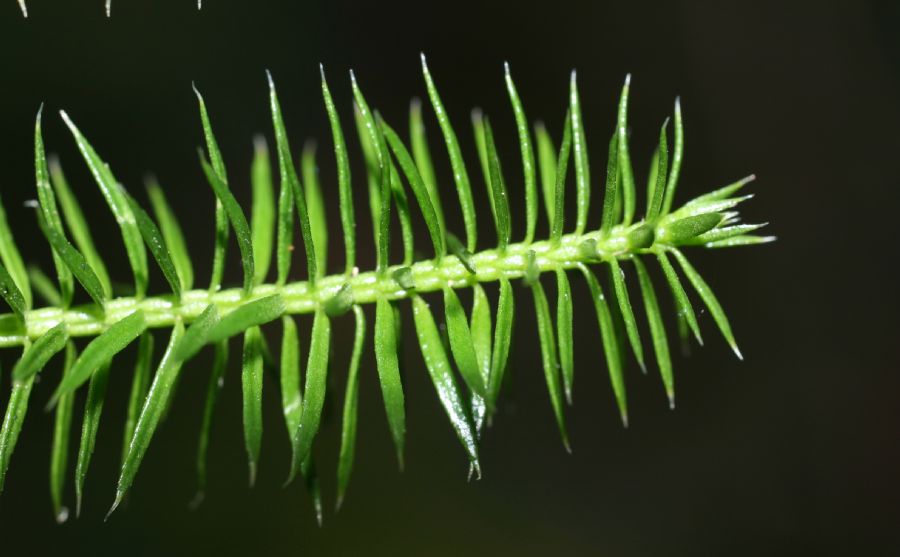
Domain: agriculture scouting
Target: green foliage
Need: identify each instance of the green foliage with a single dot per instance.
(478, 338)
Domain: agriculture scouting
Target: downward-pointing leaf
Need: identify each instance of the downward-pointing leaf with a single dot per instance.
(251, 314)
(480, 326)
(214, 385)
(610, 343)
(712, 303)
(442, 377)
(252, 385)
(316, 374)
(502, 339)
(16, 408)
(140, 383)
(549, 358)
(657, 330)
(389, 374)
(198, 333)
(461, 343)
(155, 405)
(59, 452)
(565, 332)
(93, 408)
(38, 354)
(291, 395)
(118, 204)
(101, 350)
(621, 289)
(682, 302)
(349, 419)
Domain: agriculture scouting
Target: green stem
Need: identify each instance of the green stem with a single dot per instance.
(428, 276)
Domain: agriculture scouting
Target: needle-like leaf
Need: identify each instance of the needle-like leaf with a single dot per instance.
(11, 293)
(480, 327)
(611, 192)
(345, 193)
(214, 385)
(386, 358)
(610, 343)
(154, 407)
(59, 451)
(657, 330)
(549, 358)
(580, 158)
(315, 204)
(565, 332)
(527, 153)
(422, 156)
(251, 314)
(460, 175)
(677, 156)
(16, 407)
(498, 189)
(316, 374)
(461, 345)
(93, 408)
(682, 302)
(559, 191)
(156, 244)
(172, 234)
(44, 287)
(140, 383)
(547, 165)
(291, 395)
(81, 234)
(349, 417)
(442, 377)
(626, 182)
(712, 303)
(101, 350)
(631, 328)
(74, 263)
(502, 340)
(262, 214)
(252, 385)
(118, 205)
(657, 197)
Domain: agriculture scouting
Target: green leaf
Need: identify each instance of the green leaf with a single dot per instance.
(345, 193)
(291, 395)
(289, 176)
(682, 302)
(262, 212)
(655, 201)
(460, 175)
(549, 358)
(251, 314)
(720, 194)
(610, 343)
(361, 116)
(236, 218)
(442, 376)
(386, 359)
(547, 166)
(626, 173)
(721, 233)
(156, 244)
(93, 408)
(252, 385)
(140, 383)
(74, 262)
(316, 375)
(527, 153)
(222, 229)
(11, 293)
(685, 229)
(172, 234)
(559, 192)
(657, 330)
(461, 345)
(743, 240)
(565, 331)
(349, 418)
(420, 191)
(502, 340)
(213, 386)
(481, 147)
(16, 407)
(499, 199)
(677, 156)
(49, 213)
(59, 451)
(12, 260)
(609, 197)
(631, 328)
(155, 406)
(38, 354)
(315, 204)
(422, 156)
(465, 256)
(44, 287)
(118, 205)
(101, 350)
(580, 156)
(78, 226)
(712, 303)
(480, 327)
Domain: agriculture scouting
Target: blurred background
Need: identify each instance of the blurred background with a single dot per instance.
(793, 451)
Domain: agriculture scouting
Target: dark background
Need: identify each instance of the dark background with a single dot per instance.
(793, 451)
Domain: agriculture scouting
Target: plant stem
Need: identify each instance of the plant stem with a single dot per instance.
(428, 276)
